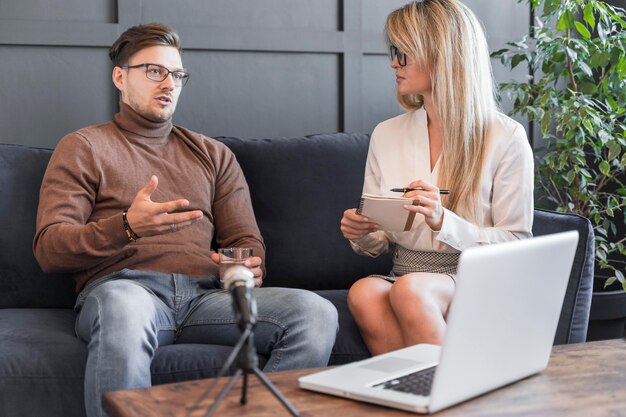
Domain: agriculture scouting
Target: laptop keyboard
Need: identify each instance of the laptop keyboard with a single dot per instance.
(418, 383)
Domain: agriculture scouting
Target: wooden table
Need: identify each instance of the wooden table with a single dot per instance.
(586, 379)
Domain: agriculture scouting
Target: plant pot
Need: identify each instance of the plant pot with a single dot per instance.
(607, 319)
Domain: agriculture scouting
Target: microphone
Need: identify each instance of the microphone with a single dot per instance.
(239, 281)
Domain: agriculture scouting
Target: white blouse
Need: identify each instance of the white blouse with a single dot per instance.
(399, 154)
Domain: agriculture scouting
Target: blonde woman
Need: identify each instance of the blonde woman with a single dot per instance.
(451, 137)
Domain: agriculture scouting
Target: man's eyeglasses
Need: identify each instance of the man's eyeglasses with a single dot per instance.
(157, 72)
(400, 56)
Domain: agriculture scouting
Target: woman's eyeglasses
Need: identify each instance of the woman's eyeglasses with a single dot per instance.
(400, 56)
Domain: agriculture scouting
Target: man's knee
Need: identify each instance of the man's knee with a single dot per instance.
(118, 306)
(302, 312)
(121, 297)
(311, 307)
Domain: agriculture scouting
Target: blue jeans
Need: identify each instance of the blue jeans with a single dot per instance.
(124, 317)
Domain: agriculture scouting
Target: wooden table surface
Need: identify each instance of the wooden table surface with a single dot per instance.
(586, 379)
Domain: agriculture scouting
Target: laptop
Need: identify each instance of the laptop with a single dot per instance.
(500, 329)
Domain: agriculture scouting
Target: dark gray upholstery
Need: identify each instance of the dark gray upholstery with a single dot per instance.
(22, 284)
(574, 319)
(299, 187)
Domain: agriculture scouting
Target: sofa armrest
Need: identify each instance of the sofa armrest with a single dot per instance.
(574, 319)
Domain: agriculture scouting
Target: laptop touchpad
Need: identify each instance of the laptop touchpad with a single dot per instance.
(390, 364)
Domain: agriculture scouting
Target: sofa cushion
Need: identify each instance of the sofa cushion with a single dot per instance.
(40, 343)
(22, 283)
(41, 360)
(300, 188)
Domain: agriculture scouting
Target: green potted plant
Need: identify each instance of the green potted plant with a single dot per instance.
(575, 93)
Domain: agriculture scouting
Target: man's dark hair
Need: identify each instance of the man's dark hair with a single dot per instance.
(142, 36)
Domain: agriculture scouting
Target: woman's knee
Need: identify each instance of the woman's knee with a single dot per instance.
(422, 290)
(409, 286)
(368, 302)
(366, 292)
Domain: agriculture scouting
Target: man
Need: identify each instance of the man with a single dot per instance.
(130, 207)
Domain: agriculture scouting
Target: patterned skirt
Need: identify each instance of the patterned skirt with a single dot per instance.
(406, 261)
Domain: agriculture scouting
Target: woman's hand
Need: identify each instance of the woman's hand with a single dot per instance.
(428, 203)
(354, 226)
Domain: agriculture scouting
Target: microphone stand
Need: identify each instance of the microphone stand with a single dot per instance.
(248, 364)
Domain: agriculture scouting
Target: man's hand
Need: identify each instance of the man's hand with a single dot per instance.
(253, 263)
(148, 218)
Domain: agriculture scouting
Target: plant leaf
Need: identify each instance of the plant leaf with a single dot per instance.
(499, 52)
(585, 68)
(601, 32)
(517, 59)
(614, 150)
(588, 15)
(588, 88)
(582, 30)
(571, 53)
(566, 21)
(605, 168)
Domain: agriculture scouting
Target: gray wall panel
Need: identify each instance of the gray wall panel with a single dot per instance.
(277, 40)
(60, 10)
(268, 14)
(259, 68)
(375, 13)
(255, 94)
(49, 91)
(503, 20)
(379, 96)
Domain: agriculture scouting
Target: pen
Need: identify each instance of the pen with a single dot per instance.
(406, 190)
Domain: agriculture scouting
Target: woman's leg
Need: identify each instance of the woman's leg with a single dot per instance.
(420, 301)
(368, 300)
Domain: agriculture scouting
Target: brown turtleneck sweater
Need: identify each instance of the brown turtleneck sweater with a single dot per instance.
(95, 173)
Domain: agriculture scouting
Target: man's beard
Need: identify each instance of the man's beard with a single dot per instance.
(151, 114)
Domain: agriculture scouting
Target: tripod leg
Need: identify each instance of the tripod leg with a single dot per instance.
(223, 392)
(244, 389)
(292, 410)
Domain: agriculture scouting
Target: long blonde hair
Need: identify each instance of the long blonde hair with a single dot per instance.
(445, 37)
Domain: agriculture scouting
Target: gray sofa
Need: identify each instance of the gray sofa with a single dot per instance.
(299, 186)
